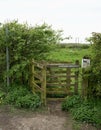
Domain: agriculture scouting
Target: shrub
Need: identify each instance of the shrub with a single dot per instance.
(85, 113)
(21, 97)
(70, 102)
(95, 73)
(84, 110)
(1, 96)
(31, 101)
(24, 43)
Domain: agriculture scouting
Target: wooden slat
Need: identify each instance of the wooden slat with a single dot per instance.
(72, 84)
(57, 80)
(38, 81)
(63, 65)
(55, 99)
(56, 71)
(36, 86)
(36, 75)
(57, 89)
(63, 84)
(59, 62)
(69, 66)
(56, 92)
(37, 65)
(56, 74)
(72, 76)
(56, 84)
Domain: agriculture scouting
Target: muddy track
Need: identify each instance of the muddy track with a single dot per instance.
(51, 119)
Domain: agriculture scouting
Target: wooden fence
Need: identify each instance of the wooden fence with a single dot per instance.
(38, 79)
(49, 79)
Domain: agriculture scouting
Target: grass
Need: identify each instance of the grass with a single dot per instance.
(68, 53)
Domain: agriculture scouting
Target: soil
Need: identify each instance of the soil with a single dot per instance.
(52, 118)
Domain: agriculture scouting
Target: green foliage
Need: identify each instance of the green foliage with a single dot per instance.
(85, 113)
(88, 112)
(95, 72)
(21, 97)
(31, 101)
(84, 110)
(71, 102)
(24, 43)
(2, 95)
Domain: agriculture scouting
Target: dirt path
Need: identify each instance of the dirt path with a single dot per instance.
(52, 119)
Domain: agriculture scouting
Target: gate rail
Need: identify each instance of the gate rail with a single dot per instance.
(54, 78)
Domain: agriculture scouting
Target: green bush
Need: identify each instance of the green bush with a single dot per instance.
(70, 102)
(21, 97)
(13, 94)
(28, 101)
(88, 112)
(2, 94)
(95, 74)
(85, 113)
(84, 110)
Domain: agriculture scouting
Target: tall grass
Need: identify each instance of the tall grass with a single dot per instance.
(69, 52)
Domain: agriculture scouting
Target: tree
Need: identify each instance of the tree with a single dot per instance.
(24, 43)
(95, 74)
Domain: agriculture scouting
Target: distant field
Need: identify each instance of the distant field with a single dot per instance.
(69, 52)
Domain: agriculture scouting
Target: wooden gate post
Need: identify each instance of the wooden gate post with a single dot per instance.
(76, 79)
(68, 81)
(85, 65)
(43, 85)
(32, 75)
(84, 83)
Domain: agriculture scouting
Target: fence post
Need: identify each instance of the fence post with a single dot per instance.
(43, 85)
(68, 80)
(76, 78)
(84, 83)
(85, 73)
(32, 75)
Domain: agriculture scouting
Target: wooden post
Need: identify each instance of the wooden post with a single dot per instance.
(43, 85)
(32, 76)
(85, 64)
(84, 83)
(76, 79)
(68, 81)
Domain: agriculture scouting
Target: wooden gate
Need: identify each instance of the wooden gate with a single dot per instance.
(38, 79)
(62, 80)
(54, 80)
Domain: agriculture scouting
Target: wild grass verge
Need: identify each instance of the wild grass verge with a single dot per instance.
(84, 110)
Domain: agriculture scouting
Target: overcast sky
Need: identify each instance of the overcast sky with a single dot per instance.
(78, 18)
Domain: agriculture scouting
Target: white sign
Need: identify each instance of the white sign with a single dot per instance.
(85, 63)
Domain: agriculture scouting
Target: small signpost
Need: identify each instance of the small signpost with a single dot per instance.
(85, 62)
